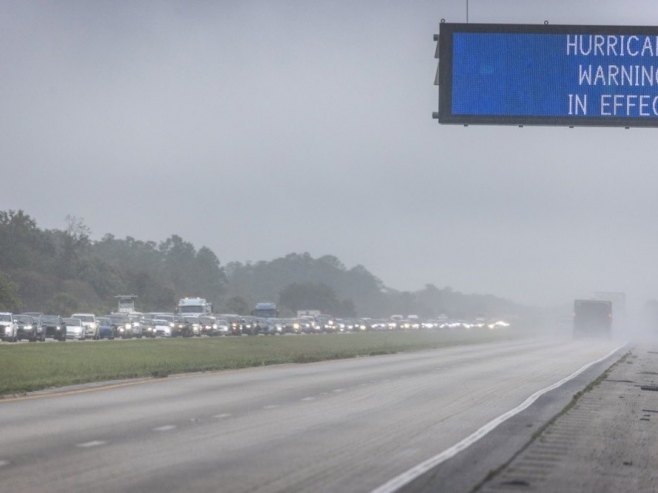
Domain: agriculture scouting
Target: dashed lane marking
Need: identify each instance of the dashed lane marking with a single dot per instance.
(165, 428)
(306, 399)
(93, 443)
(271, 406)
(222, 415)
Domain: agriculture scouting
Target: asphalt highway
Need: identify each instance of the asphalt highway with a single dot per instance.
(348, 425)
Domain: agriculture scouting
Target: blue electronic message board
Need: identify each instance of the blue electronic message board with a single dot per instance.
(548, 75)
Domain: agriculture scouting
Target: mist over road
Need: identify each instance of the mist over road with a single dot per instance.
(348, 425)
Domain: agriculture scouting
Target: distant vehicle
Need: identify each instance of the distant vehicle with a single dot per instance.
(126, 303)
(106, 329)
(121, 324)
(308, 313)
(161, 327)
(265, 310)
(33, 314)
(7, 327)
(164, 323)
(194, 307)
(235, 323)
(134, 327)
(147, 325)
(182, 327)
(53, 326)
(74, 329)
(223, 326)
(208, 325)
(592, 318)
(89, 322)
(193, 324)
(28, 327)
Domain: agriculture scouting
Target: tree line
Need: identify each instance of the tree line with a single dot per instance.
(64, 271)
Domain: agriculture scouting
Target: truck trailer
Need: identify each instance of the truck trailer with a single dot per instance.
(592, 318)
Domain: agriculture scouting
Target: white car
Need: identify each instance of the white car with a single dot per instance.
(161, 328)
(74, 328)
(91, 325)
(8, 327)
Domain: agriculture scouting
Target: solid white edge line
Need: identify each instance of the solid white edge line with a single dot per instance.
(408, 476)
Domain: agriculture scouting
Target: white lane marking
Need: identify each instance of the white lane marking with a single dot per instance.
(4, 463)
(271, 406)
(338, 390)
(408, 476)
(165, 428)
(222, 416)
(93, 443)
(306, 399)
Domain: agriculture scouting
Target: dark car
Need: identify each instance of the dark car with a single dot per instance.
(123, 325)
(106, 328)
(147, 325)
(208, 325)
(53, 327)
(29, 328)
(182, 327)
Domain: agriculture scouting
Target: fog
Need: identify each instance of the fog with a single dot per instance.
(261, 128)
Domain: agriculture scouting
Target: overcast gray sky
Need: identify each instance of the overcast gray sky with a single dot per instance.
(260, 128)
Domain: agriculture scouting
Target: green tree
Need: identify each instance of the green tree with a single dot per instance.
(9, 301)
(314, 296)
(237, 305)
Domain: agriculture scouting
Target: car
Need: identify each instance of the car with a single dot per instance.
(208, 325)
(106, 330)
(147, 325)
(75, 329)
(119, 322)
(164, 323)
(7, 327)
(127, 325)
(90, 324)
(182, 327)
(161, 327)
(194, 324)
(223, 326)
(53, 327)
(28, 327)
(137, 325)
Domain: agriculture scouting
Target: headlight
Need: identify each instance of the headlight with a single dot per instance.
(93, 325)
(172, 324)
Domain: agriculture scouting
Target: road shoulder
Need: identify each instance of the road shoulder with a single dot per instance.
(604, 442)
(471, 469)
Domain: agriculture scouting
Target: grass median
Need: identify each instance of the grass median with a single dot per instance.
(34, 366)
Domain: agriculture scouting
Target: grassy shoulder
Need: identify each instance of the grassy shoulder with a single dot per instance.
(35, 366)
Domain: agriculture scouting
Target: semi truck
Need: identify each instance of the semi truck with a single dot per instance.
(265, 310)
(194, 307)
(592, 318)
